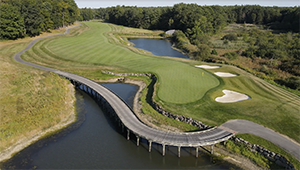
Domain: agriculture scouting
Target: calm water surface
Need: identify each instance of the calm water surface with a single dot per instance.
(98, 143)
(157, 47)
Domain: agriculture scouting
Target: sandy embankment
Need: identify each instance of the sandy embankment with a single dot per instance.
(231, 97)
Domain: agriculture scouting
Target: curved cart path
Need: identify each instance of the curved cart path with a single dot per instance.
(245, 126)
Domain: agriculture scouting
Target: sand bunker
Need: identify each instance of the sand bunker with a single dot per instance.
(208, 67)
(221, 74)
(231, 97)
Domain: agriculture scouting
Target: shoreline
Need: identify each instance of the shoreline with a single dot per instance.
(27, 141)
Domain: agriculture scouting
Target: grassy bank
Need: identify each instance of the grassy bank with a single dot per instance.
(31, 101)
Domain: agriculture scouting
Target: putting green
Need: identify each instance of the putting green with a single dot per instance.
(178, 81)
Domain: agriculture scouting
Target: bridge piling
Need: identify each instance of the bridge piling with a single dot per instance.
(137, 141)
(128, 134)
(197, 152)
(163, 149)
(179, 148)
(212, 149)
(150, 143)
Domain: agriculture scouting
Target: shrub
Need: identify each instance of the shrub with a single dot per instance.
(231, 55)
(214, 52)
(203, 53)
(230, 37)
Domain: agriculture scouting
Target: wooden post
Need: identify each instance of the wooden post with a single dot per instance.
(164, 149)
(197, 150)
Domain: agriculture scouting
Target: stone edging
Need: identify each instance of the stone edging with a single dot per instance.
(271, 156)
(157, 107)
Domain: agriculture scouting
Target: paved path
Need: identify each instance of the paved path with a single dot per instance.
(245, 126)
(128, 118)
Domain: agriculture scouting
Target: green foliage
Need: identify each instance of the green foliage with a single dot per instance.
(203, 52)
(214, 52)
(86, 14)
(231, 55)
(270, 146)
(31, 17)
(11, 22)
(182, 42)
(230, 37)
(244, 150)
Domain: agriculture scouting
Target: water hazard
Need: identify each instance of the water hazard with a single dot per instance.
(98, 143)
(157, 47)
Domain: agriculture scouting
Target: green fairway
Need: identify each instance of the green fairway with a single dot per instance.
(181, 88)
(179, 82)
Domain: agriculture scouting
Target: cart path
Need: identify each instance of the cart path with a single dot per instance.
(245, 126)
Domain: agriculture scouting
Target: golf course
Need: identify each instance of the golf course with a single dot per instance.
(181, 88)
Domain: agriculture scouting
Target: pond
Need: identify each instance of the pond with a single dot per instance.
(157, 47)
(97, 142)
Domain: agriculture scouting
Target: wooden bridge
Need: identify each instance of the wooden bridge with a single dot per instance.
(129, 121)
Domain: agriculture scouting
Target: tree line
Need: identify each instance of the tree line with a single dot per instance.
(21, 18)
(200, 19)
(196, 24)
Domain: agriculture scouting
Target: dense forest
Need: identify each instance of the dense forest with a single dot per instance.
(21, 18)
(196, 25)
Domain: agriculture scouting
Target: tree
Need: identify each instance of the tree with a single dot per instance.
(63, 6)
(11, 22)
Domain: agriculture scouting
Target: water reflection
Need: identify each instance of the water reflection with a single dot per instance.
(157, 47)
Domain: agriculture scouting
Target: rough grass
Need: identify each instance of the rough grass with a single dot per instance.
(31, 100)
(181, 88)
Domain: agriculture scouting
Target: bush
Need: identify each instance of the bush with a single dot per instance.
(231, 55)
(214, 52)
(203, 53)
(230, 37)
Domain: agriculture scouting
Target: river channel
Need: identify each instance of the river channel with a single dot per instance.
(97, 142)
(157, 47)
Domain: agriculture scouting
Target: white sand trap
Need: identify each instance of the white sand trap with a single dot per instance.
(222, 74)
(231, 97)
(208, 67)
